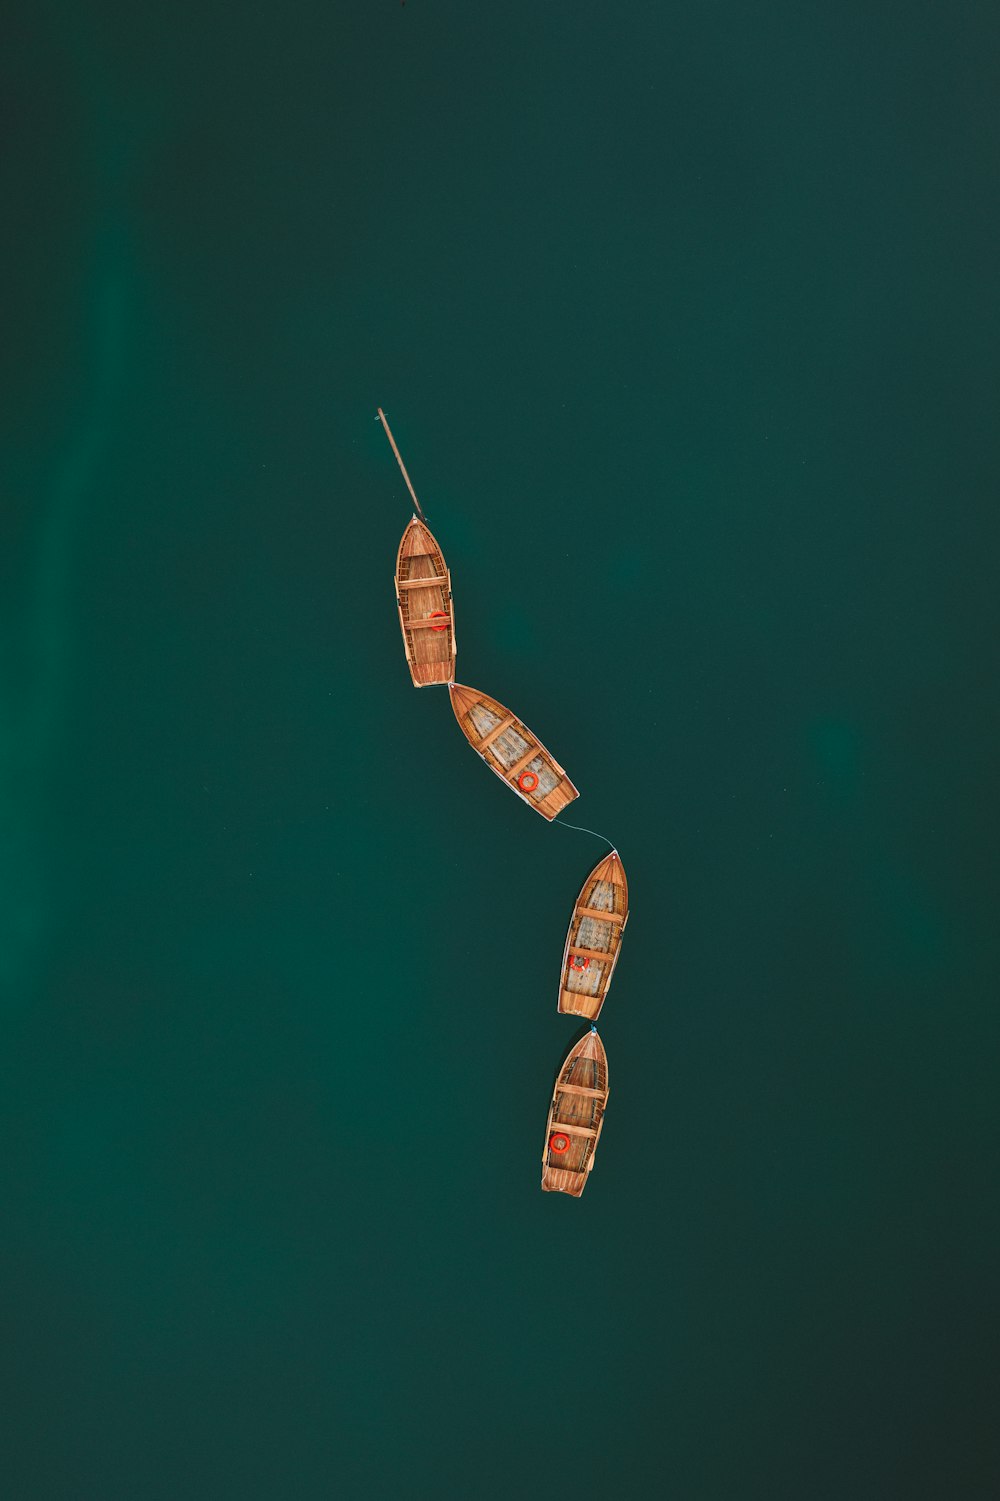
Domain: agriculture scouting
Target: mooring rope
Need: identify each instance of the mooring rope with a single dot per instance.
(581, 830)
(380, 417)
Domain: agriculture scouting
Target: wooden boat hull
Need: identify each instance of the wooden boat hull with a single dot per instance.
(594, 939)
(512, 751)
(426, 613)
(576, 1118)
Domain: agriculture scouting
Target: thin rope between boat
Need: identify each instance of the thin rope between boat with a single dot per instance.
(581, 830)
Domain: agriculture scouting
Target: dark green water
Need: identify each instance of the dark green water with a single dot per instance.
(686, 320)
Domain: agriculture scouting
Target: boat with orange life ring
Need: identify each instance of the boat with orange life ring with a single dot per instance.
(576, 1117)
(594, 939)
(510, 749)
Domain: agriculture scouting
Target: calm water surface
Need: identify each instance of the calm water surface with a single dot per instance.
(686, 323)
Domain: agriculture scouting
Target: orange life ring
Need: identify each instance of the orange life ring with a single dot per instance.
(578, 961)
(527, 781)
(439, 615)
(558, 1142)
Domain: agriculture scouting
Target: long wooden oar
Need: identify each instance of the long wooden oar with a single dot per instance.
(399, 461)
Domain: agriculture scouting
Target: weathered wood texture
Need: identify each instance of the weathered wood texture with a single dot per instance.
(512, 751)
(576, 1118)
(426, 612)
(594, 938)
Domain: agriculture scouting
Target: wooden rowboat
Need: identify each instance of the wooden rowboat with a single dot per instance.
(426, 615)
(423, 594)
(576, 1117)
(512, 751)
(594, 938)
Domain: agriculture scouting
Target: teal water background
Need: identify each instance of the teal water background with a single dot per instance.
(686, 321)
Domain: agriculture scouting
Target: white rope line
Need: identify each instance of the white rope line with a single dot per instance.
(581, 830)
